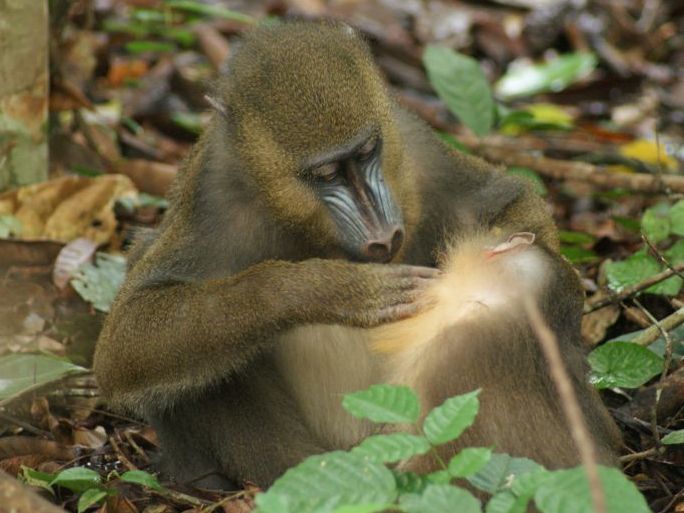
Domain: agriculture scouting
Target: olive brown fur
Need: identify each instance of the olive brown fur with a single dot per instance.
(312, 209)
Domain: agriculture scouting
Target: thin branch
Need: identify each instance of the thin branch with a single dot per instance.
(569, 403)
(632, 290)
(581, 171)
(650, 335)
(648, 453)
(666, 366)
(661, 258)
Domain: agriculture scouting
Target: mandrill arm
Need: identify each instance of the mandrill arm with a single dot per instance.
(161, 342)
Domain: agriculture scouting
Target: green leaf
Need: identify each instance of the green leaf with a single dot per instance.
(578, 255)
(409, 482)
(99, 283)
(149, 200)
(189, 121)
(469, 461)
(440, 498)
(539, 117)
(19, 372)
(90, 498)
(532, 176)
(675, 254)
(384, 403)
(77, 479)
(657, 347)
(326, 483)
(136, 47)
(637, 268)
(461, 84)
(392, 447)
(655, 223)
(214, 11)
(526, 485)
(627, 223)
(567, 491)
(142, 478)
(631, 271)
(447, 421)
(439, 477)
(623, 364)
(36, 478)
(507, 502)
(500, 471)
(677, 218)
(576, 238)
(554, 75)
(9, 225)
(82, 170)
(676, 437)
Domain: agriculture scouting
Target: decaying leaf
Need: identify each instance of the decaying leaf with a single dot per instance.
(72, 256)
(69, 207)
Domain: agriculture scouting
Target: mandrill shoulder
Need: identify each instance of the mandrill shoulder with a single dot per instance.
(462, 193)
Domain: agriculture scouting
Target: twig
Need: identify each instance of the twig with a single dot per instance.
(581, 171)
(24, 425)
(231, 497)
(661, 258)
(181, 498)
(569, 403)
(650, 335)
(139, 451)
(632, 290)
(666, 366)
(628, 458)
(122, 457)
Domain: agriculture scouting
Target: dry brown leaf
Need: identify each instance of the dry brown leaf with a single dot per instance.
(13, 465)
(596, 324)
(90, 438)
(121, 70)
(119, 504)
(11, 446)
(73, 255)
(69, 207)
(89, 212)
(158, 508)
(239, 505)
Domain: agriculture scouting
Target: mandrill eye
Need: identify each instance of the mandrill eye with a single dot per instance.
(327, 172)
(367, 150)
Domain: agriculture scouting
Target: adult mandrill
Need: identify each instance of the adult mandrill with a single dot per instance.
(314, 207)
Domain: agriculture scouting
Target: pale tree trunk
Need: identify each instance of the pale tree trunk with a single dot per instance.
(23, 91)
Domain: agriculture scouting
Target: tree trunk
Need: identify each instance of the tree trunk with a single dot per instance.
(23, 91)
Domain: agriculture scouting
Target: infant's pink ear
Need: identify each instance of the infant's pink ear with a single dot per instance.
(516, 241)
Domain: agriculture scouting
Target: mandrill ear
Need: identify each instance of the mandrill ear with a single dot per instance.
(217, 105)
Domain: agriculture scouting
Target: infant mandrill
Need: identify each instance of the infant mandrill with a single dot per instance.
(477, 335)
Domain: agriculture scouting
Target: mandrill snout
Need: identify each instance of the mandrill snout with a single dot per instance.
(382, 248)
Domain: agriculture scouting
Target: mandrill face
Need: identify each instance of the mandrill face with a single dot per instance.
(326, 154)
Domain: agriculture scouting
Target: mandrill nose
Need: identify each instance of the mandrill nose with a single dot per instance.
(383, 248)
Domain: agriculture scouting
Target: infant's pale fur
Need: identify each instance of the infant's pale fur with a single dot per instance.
(480, 275)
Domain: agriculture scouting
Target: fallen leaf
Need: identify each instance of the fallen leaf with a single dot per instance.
(73, 255)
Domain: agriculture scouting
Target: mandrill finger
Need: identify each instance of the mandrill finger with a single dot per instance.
(417, 271)
(399, 312)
